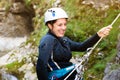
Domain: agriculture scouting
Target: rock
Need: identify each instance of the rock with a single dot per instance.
(16, 26)
(112, 71)
(18, 20)
(101, 5)
(6, 76)
(23, 61)
(108, 68)
(113, 75)
(7, 43)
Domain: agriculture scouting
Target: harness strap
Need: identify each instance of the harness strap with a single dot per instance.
(55, 63)
(50, 67)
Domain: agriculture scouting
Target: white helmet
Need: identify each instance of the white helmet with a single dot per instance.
(54, 13)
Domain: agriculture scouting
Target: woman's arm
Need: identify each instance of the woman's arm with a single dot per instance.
(45, 49)
(82, 46)
(75, 46)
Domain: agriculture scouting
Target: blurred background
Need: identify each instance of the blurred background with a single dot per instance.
(22, 26)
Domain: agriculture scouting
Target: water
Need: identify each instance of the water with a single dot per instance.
(6, 76)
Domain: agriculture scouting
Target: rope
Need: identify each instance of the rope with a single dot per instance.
(90, 51)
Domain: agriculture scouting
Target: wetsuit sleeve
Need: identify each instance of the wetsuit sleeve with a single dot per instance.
(82, 46)
(45, 49)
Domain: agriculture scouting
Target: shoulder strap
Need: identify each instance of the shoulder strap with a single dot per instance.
(55, 63)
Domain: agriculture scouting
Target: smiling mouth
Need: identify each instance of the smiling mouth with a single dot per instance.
(62, 32)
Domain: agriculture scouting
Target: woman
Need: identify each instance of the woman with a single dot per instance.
(55, 49)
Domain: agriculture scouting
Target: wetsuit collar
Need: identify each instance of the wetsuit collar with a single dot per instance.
(61, 39)
(49, 32)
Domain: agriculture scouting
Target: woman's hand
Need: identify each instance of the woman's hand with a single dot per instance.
(104, 31)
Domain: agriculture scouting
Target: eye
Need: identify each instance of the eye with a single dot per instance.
(65, 24)
(60, 25)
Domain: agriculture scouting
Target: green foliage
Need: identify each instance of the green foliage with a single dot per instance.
(39, 26)
(95, 72)
(84, 21)
(28, 2)
(115, 66)
(15, 64)
(99, 67)
(12, 68)
(37, 35)
(2, 3)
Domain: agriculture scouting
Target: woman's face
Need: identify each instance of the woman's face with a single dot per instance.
(59, 27)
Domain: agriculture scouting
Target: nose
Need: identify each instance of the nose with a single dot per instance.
(64, 27)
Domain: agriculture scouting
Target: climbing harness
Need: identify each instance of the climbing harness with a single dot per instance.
(78, 67)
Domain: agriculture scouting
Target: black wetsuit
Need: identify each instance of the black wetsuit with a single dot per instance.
(61, 49)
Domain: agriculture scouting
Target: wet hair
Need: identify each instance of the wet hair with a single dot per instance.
(50, 22)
